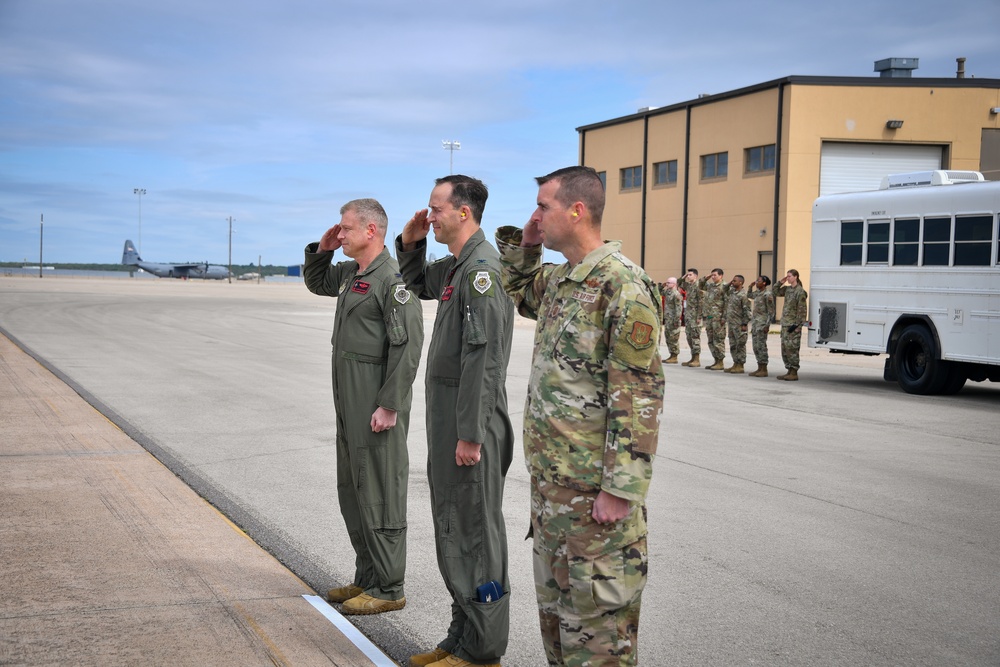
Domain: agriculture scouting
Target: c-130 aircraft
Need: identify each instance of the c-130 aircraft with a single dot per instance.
(205, 270)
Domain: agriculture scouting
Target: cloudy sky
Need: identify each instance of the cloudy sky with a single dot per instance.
(276, 113)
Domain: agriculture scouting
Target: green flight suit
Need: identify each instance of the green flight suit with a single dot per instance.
(378, 333)
(467, 399)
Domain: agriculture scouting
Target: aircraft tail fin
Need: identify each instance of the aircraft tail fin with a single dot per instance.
(129, 255)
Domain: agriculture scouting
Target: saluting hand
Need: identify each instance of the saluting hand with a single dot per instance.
(330, 240)
(531, 235)
(416, 229)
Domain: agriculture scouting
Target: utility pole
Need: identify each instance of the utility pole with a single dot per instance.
(41, 236)
(230, 250)
(451, 147)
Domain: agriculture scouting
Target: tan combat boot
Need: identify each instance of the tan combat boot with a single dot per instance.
(424, 659)
(455, 661)
(761, 371)
(672, 359)
(365, 604)
(719, 365)
(344, 593)
(737, 369)
(693, 362)
(791, 376)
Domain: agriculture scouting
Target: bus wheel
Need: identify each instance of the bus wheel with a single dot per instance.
(956, 379)
(918, 368)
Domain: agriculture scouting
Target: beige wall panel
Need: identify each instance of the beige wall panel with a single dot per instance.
(610, 150)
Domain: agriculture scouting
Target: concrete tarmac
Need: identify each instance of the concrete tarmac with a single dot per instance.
(833, 521)
(110, 559)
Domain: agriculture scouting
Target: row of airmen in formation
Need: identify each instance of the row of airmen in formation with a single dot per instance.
(723, 308)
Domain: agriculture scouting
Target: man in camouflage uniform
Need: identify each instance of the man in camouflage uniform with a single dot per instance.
(763, 315)
(692, 316)
(591, 421)
(470, 440)
(737, 319)
(673, 304)
(377, 336)
(794, 314)
(713, 309)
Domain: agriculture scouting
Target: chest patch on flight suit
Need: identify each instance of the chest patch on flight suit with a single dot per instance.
(402, 295)
(446, 294)
(482, 283)
(360, 286)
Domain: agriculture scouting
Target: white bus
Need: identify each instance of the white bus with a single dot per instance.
(911, 270)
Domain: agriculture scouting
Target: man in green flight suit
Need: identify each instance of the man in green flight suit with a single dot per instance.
(591, 420)
(470, 440)
(378, 332)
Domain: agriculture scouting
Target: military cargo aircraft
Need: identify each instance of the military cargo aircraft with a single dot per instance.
(205, 270)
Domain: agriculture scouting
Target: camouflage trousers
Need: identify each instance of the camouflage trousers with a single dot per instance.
(738, 344)
(791, 341)
(759, 337)
(588, 578)
(673, 337)
(715, 329)
(692, 329)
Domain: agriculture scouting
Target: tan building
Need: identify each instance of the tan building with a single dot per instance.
(729, 180)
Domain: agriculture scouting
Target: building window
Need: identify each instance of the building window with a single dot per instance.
(715, 165)
(759, 159)
(665, 173)
(906, 242)
(631, 178)
(878, 243)
(973, 240)
(603, 175)
(937, 241)
(850, 243)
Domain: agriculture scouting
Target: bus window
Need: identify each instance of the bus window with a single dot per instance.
(850, 243)
(937, 241)
(906, 242)
(878, 243)
(973, 240)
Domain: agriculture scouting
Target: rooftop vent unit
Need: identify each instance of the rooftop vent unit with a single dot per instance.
(897, 68)
(936, 177)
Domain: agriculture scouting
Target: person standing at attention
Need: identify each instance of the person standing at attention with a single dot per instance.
(761, 318)
(737, 318)
(591, 420)
(378, 332)
(470, 440)
(673, 304)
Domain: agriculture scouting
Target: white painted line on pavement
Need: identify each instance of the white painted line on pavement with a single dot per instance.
(364, 645)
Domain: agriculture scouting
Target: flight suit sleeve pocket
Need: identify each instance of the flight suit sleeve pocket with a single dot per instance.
(395, 330)
(475, 331)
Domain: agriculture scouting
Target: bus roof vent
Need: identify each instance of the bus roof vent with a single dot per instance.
(937, 177)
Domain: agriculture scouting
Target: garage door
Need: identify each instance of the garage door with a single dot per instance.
(848, 167)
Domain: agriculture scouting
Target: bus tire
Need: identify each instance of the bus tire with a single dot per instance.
(957, 376)
(919, 369)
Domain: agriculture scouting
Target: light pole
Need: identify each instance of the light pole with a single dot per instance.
(230, 250)
(451, 147)
(140, 192)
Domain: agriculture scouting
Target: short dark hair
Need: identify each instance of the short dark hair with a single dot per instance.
(694, 271)
(742, 279)
(578, 184)
(467, 191)
(719, 271)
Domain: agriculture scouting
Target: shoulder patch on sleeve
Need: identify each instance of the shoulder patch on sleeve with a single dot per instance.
(401, 294)
(483, 283)
(636, 338)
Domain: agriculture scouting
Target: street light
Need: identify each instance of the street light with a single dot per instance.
(451, 147)
(140, 192)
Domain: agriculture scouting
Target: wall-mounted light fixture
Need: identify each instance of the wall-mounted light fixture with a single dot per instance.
(994, 110)
(893, 124)
(763, 231)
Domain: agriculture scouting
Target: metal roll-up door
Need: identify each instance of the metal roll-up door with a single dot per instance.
(853, 167)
